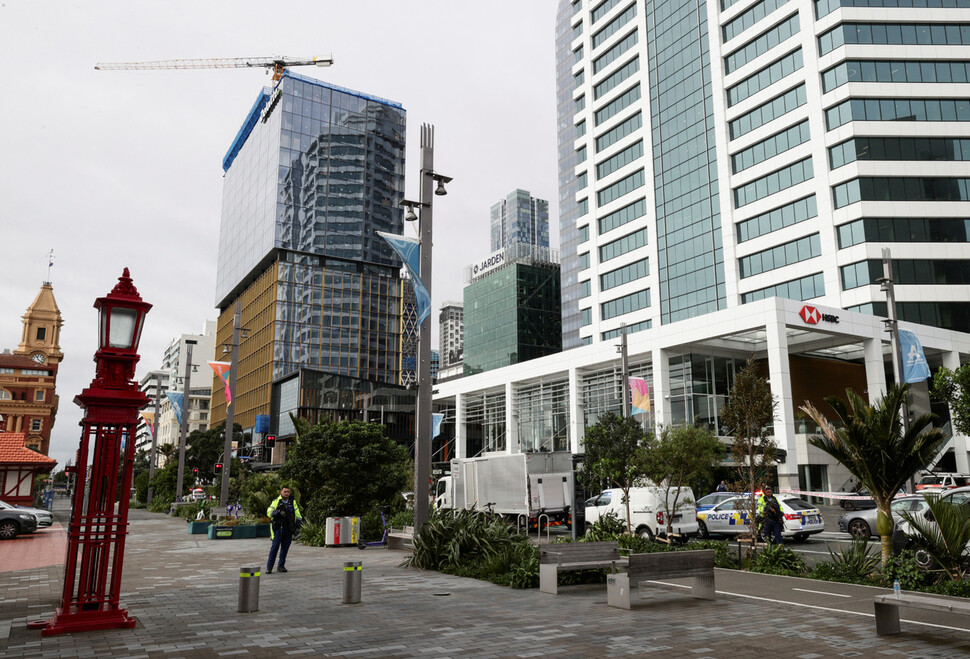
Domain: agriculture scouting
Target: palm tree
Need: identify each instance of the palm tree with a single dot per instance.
(874, 446)
(945, 537)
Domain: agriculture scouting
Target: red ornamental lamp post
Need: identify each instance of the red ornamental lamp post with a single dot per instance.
(99, 517)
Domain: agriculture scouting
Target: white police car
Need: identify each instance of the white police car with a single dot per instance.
(731, 518)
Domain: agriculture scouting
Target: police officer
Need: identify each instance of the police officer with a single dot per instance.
(285, 515)
(769, 512)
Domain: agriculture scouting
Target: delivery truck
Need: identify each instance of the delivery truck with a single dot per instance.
(512, 485)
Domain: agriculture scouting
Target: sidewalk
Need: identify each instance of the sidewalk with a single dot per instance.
(183, 591)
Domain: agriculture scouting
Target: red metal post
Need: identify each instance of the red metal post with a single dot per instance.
(99, 517)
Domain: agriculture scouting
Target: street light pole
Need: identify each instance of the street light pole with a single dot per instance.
(624, 370)
(151, 460)
(423, 421)
(231, 407)
(186, 404)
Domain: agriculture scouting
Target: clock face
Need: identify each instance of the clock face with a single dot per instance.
(38, 357)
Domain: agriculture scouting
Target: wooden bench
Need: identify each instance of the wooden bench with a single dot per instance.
(661, 565)
(557, 558)
(401, 538)
(887, 609)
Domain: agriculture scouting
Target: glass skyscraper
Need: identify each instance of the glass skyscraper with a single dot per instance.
(520, 218)
(314, 173)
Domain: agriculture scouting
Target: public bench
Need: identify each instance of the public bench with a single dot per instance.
(661, 565)
(887, 609)
(401, 538)
(574, 556)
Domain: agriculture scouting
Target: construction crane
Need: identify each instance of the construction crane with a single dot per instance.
(277, 64)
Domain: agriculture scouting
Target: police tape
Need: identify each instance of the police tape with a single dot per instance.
(839, 496)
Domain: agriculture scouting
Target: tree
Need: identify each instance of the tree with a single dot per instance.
(615, 449)
(953, 388)
(345, 468)
(681, 456)
(946, 537)
(748, 415)
(204, 448)
(874, 446)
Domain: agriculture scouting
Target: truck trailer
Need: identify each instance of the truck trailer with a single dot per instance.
(511, 485)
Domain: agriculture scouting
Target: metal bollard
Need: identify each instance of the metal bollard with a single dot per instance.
(353, 570)
(248, 590)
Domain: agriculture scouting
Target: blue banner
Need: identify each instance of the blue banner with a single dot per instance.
(175, 398)
(915, 368)
(409, 249)
(436, 420)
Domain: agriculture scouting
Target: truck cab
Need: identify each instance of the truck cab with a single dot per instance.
(443, 494)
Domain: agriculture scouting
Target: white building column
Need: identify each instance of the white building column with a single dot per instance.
(660, 387)
(875, 369)
(958, 442)
(576, 429)
(511, 420)
(461, 438)
(779, 372)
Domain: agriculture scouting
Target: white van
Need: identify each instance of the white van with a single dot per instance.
(647, 510)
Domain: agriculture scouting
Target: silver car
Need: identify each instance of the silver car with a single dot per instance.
(44, 518)
(862, 523)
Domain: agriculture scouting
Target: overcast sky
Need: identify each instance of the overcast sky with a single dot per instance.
(124, 168)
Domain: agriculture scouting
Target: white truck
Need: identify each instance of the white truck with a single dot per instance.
(647, 511)
(512, 485)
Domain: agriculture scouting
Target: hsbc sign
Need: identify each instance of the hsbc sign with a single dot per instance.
(813, 316)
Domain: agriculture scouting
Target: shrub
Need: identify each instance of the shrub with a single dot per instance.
(853, 564)
(607, 527)
(778, 559)
(904, 568)
(401, 519)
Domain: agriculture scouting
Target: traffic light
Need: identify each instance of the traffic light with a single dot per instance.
(218, 468)
(196, 471)
(270, 441)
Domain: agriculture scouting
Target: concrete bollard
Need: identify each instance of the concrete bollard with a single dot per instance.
(353, 571)
(248, 590)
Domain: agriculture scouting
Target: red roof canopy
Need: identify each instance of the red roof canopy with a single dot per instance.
(13, 450)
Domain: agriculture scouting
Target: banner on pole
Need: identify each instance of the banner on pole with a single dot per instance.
(409, 249)
(915, 368)
(639, 396)
(222, 370)
(149, 418)
(175, 398)
(436, 420)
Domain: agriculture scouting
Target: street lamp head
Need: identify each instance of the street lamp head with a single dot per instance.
(411, 216)
(441, 179)
(121, 317)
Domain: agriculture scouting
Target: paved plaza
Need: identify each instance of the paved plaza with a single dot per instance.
(183, 591)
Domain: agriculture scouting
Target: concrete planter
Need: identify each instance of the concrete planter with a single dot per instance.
(199, 527)
(239, 531)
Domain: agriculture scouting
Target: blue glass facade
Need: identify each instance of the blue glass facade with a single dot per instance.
(520, 218)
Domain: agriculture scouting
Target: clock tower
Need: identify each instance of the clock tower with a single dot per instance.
(28, 375)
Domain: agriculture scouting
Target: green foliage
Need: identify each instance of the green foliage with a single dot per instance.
(616, 449)
(748, 415)
(313, 534)
(159, 505)
(950, 587)
(186, 511)
(204, 448)
(904, 568)
(778, 559)
(953, 388)
(257, 491)
(853, 564)
(607, 527)
(163, 485)
(348, 467)
(141, 487)
(680, 457)
(370, 527)
(876, 448)
(472, 544)
(401, 519)
(946, 537)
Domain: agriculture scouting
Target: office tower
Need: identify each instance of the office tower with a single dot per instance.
(519, 218)
(717, 153)
(314, 173)
(451, 333)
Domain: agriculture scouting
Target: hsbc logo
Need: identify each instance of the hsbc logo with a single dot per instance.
(813, 316)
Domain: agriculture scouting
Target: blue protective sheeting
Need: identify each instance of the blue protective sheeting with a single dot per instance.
(246, 129)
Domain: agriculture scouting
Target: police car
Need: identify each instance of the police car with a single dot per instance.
(731, 518)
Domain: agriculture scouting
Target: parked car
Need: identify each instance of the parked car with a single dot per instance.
(902, 535)
(44, 517)
(16, 521)
(647, 510)
(941, 481)
(863, 524)
(708, 501)
(731, 518)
